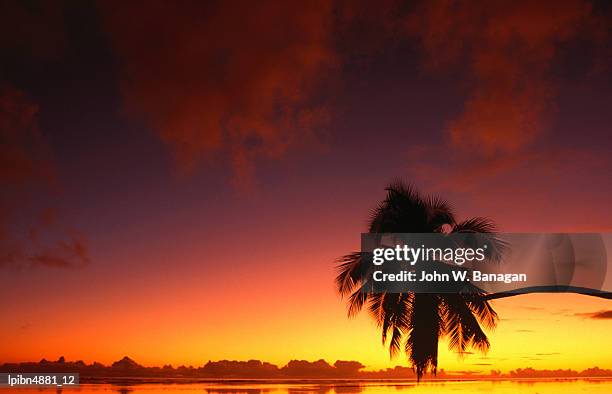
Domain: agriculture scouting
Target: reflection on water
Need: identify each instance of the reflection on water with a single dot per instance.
(517, 386)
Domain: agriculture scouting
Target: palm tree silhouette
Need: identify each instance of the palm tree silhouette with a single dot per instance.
(419, 320)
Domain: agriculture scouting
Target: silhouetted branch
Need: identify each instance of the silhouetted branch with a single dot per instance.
(550, 289)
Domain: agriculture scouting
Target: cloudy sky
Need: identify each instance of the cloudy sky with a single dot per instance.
(178, 178)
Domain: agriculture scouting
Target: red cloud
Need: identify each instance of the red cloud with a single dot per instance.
(607, 314)
(507, 49)
(70, 253)
(27, 238)
(244, 80)
(238, 78)
(502, 142)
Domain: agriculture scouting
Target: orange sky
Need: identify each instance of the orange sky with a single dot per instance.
(177, 189)
(175, 318)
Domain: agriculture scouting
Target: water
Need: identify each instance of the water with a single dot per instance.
(338, 387)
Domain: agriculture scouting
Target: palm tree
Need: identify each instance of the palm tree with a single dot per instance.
(417, 321)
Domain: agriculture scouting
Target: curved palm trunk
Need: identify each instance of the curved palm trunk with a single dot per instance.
(549, 289)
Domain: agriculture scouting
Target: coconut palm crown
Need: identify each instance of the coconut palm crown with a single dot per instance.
(415, 322)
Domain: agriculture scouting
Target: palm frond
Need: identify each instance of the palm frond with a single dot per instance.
(461, 326)
(484, 312)
(440, 213)
(485, 233)
(401, 307)
(476, 225)
(402, 211)
(375, 306)
(356, 301)
(351, 269)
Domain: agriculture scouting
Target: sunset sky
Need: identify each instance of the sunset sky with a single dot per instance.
(177, 181)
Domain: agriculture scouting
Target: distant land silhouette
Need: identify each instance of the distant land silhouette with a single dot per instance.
(126, 368)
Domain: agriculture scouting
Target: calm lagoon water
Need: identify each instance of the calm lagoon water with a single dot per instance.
(517, 386)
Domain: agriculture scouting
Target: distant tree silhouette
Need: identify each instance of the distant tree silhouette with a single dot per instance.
(417, 321)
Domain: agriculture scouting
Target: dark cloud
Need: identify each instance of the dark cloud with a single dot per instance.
(22, 152)
(600, 315)
(65, 253)
(30, 235)
(507, 56)
(464, 373)
(507, 48)
(32, 28)
(216, 81)
(464, 353)
(532, 308)
(231, 78)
